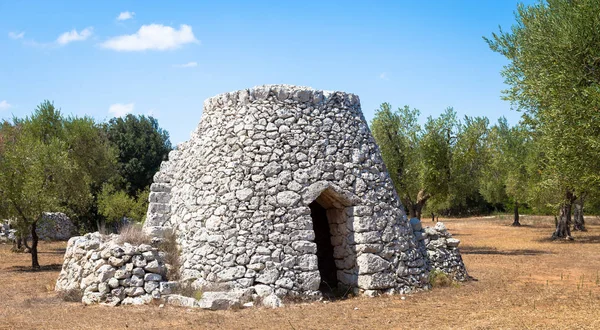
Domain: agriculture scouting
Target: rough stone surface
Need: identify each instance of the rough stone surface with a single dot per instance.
(7, 234)
(53, 226)
(441, 250)
(104, 271)
(272, 301)
(237, 195)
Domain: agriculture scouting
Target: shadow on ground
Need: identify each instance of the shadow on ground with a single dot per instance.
(492, 250)
(43, 268)
(59, 251)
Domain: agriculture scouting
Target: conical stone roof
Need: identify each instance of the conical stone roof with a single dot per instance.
(283, 187)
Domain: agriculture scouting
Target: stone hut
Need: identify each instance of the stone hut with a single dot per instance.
(283, 188)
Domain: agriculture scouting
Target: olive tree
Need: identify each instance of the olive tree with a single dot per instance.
(553, 76)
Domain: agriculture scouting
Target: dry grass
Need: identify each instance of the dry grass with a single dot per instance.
(169, 246)
(525, 281)
(439, 279)
(133, 234)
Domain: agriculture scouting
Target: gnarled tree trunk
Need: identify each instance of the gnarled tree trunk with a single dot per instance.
(516, 219)
(578, 220)
(417, 208)
(563, 222)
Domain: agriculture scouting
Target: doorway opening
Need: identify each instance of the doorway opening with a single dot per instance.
(326, 260)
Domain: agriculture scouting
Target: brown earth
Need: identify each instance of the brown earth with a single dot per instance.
(524, 282)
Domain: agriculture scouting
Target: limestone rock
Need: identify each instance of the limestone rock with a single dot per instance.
(272, 301)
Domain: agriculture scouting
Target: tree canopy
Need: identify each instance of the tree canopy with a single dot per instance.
(553, 77)
(142, 146)
(435, 166)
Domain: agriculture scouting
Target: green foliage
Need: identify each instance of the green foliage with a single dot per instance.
(437, 166)
(142, 146)
(553, 77)
(398, 136)
(39, 171)
(506, 176)
(115, 205)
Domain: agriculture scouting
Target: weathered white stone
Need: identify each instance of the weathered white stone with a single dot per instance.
(452, 242)
(288, 198)
(369, 263)
(219, 301)
(272, 301)
(268, 276)
(263, 290)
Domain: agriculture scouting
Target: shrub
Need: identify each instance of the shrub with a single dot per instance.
(439, 279)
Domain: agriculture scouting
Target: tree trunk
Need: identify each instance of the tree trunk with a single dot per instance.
(34, 243)
(578, 220)
(563, 222)
(411, 210)
(419, 210)
(422, 198)
(432, 217)
(25, 244)
(516, 220)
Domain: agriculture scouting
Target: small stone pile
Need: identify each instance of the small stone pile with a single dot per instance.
(55, 226)
(7, 235)
(106, 271)
(440, 249)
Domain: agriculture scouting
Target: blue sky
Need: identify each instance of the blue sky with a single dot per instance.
(105, 58)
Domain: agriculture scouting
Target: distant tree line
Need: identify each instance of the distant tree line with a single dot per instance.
(96, 173)
(548, 162)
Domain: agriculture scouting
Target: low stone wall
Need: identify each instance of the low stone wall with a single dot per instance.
(55, 226)
(105, 271)
(441, 249)
(108, 272)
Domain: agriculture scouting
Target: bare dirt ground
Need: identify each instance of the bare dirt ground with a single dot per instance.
(524, 282)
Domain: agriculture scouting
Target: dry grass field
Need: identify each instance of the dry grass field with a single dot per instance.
(524, 282)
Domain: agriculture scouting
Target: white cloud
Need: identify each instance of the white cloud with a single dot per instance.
(4, 105)
(187, 65)
(73, 35)
(120, 109)
(153, 37)
(125, 15)
(383, 76)
(16, 35)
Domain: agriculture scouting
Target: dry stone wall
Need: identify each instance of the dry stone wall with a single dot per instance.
(55, 226)
(440, 249)
(241, 196)
(106, 271)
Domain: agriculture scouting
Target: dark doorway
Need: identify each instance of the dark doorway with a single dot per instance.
(327, 268)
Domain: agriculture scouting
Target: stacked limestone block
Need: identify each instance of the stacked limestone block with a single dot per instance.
(7, 235)
(159, 210)
(237, 195)
(55, 226)
(440, 249)
(112, 273)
